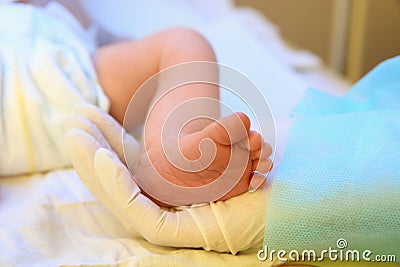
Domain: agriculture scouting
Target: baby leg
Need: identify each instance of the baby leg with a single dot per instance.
(122, 68)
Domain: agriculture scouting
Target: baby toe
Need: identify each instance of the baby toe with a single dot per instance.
(262, 153)
(262, 165)
(255, 141)
(228, 130)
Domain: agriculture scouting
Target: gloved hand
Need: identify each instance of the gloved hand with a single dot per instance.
(94, 143)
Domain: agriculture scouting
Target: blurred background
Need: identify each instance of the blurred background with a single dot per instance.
(351, 36)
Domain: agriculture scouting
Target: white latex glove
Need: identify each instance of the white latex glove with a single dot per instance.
(96, 151)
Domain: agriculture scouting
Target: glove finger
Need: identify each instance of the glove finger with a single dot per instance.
(112, 131)
(112, 173)
(82, 123)
(158, 226)
(81, 148)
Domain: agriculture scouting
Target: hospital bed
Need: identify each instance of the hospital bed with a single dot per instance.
(51, 219)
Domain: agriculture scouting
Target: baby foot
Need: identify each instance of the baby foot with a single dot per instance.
(224, 147)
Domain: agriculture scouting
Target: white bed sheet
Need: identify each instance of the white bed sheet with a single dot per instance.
(52, 220)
